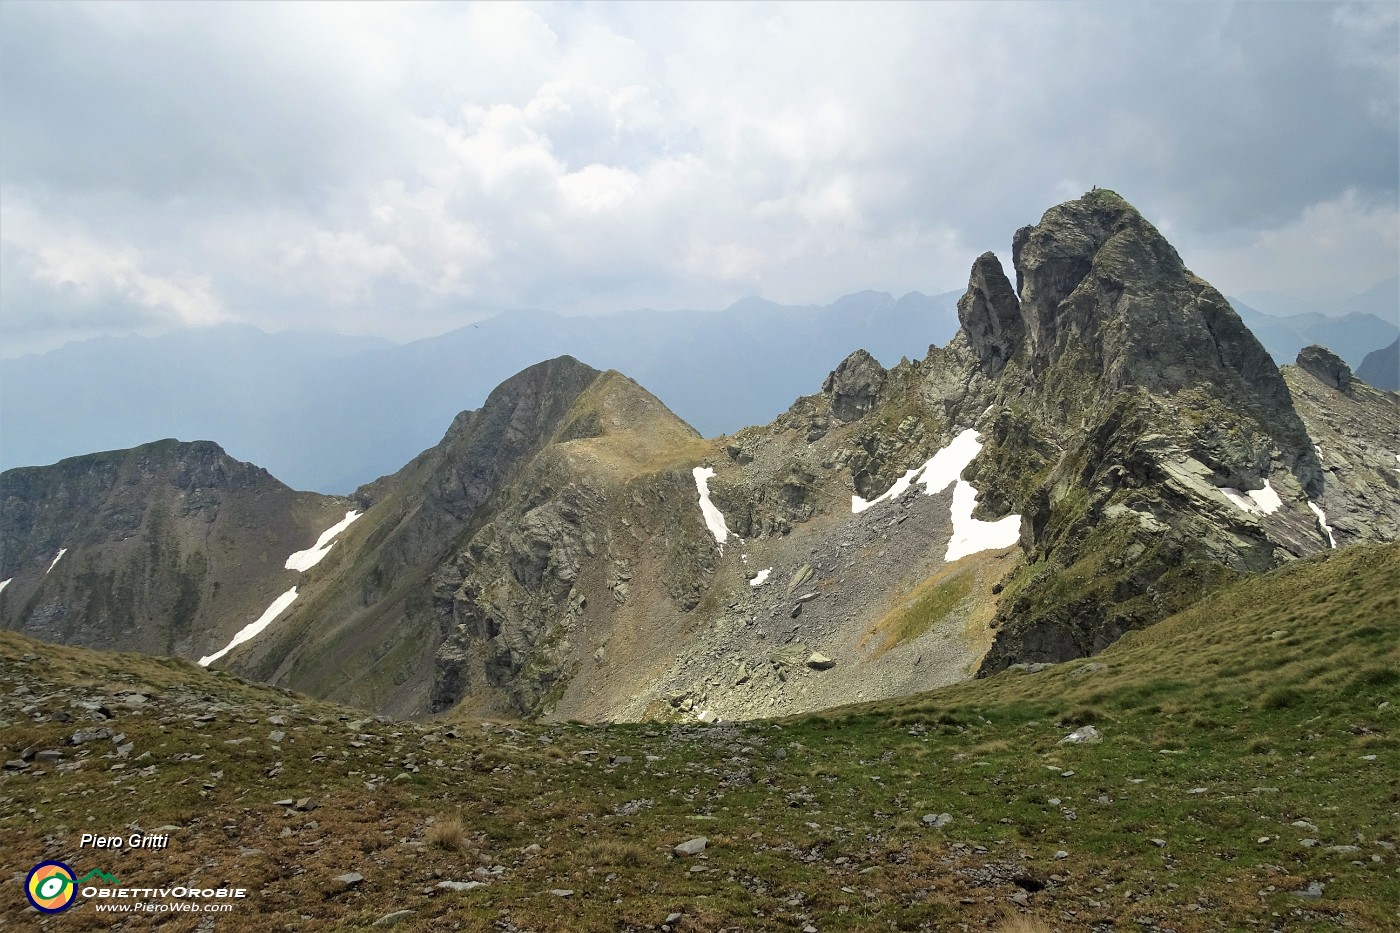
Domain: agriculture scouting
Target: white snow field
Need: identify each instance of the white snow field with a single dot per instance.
(305, 560)
(971, 535)
(714, 519)
(1322, 520)
(1257, 501)
(759, 580)
(61, 552)
(936, 474)
(279, 605)
(4, 583)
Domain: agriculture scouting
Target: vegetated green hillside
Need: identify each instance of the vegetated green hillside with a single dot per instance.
(1248, 751)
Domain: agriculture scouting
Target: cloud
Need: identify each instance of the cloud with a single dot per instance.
(397, 168)
(85, 279)
(1332, 250)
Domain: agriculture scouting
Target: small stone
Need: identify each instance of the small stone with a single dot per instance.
(306, 803)
(460, 885)
(820, 662)
(1304, 825)
(561, 892)
(350, 879)
(276, 737)
(1312, 891)
(1159, 843)
(1061, 854)
(672, 918)
(288, 802)
(1021, 898)
(691, 846)
(1342, 850)
(937, 820)
(1082, 736)
(1309, 843)
(393, 919)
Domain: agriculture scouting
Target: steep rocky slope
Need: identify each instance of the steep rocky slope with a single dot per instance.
(167, 548)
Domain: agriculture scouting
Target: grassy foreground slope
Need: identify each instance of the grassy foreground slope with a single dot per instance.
(1248, 751)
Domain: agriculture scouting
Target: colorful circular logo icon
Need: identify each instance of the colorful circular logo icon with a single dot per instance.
(51, 887)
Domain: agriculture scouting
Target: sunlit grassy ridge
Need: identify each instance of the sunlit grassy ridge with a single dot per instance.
(1272, 702)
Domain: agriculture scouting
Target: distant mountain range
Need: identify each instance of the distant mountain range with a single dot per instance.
(1381, 299)
(1351, 335)
(328, 413)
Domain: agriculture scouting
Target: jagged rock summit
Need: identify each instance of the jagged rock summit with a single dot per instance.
(1102, 443)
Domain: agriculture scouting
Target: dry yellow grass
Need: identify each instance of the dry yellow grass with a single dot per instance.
(447, 834)
(1023, 923)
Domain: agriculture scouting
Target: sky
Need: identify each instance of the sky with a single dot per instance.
(402, 169)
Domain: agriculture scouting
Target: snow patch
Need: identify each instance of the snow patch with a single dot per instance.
(1257, 501)
(4, 583)
(971, 535)
(759, 580)
(61, 552)
(936, 474)
(714, 519)
(1322, 520)
(279, 605)
(305, 560)
(940, 471)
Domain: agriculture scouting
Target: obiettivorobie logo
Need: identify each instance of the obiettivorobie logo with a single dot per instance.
(51, 886)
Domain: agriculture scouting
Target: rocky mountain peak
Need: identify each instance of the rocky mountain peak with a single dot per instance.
(1326, 366)
(854, 386)
(990, 314)
(1101, 287)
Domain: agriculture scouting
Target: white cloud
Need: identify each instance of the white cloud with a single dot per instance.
(1342, 240)
(321, 165)
(67, 258)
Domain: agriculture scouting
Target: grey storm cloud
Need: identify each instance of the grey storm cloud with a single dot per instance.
(395, 169)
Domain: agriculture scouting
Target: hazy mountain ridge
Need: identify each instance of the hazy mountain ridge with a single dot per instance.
(1351, 335)
(1381, 368)
(331, 413)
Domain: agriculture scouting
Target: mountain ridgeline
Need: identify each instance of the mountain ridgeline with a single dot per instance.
(1102, 443)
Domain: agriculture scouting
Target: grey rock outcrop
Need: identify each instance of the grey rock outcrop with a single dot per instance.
(853, 388)
(1325, 366)
(991, 315)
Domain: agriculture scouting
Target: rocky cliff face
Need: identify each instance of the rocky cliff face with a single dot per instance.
(167, 548)
(1143, 433)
